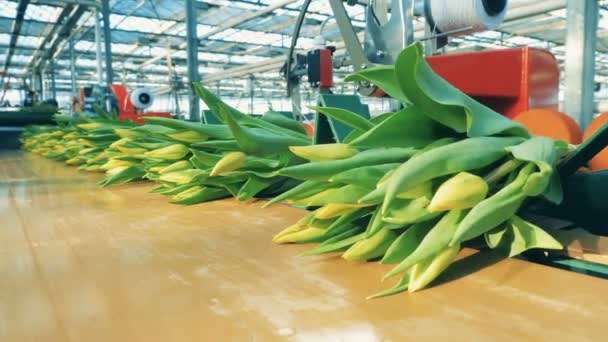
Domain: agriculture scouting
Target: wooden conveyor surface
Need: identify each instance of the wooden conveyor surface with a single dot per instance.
(80, 263)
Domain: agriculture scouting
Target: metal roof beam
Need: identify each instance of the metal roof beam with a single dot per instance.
(88, 37)
(230, 24)
(38, 53)
(121, 57)
(88, 3)
(63, 34)
(67, 67)
(21, 8)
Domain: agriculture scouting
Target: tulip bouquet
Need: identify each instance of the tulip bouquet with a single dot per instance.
(196, 163)
(411, 188)
(192, 162)
(408, 188)
(80, 141)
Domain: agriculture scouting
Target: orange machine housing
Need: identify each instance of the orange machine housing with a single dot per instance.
(509, 81)
(126, 110)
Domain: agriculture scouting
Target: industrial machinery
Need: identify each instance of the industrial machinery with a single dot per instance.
(129, 106)
(132, 106)
(28, 112)
(529, 78)
(87, 97)
(4, 87)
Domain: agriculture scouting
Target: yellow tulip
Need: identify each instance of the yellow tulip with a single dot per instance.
(462, 191)
(324, 151)
(230, 162)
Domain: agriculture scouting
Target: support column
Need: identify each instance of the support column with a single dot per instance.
(53, 92)
(38, 86)
(43, 85)
(72, 66)
(251, 93)
(192, 57)
(98, 48)
(581, 24)
(33, 85)
(107, 39)
(296, 102)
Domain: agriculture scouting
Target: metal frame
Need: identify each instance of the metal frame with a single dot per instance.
(192, 53)
(107, 40)
(580, 60)
(216, 21)
(16, 30)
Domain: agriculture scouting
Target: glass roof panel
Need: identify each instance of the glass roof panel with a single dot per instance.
(139, 24)
(5, 38)
(232, 3)
(9, 9)
(45, 13)
(122, 48)
(21, 59)
(18, 71)
(29, 41)
(143, 29)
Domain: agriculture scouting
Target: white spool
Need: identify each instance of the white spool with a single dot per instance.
(142, 98)
(457, 16)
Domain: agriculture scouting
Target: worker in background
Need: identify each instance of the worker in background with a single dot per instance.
(29, 98)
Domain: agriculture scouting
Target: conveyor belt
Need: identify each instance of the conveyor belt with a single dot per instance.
(19, 118)
(80, 263)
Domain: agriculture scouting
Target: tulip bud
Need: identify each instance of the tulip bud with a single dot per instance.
(87, 151)
(90, 126)
(324, 151)
(113, 163)
(75, 161)
(371, 247)
(157, 169)
(424, 272)
(332, 210)
(81, 141)
(131, 151)
(186, 195)
(122, 174)
(291, 229)
(49, 143)
(188, 136)
(116, 170)
(92, 168)
(177, 166)
(181, 177)
(72, 135)
(230, 162)
(309, 234)
(171, 152)
(126, 133)
(103, 155)
(120, 142)
(424, 189)
(462, 191)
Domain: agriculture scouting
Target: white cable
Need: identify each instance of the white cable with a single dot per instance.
(450, 15)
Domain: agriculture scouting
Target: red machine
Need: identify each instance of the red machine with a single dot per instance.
(529, 78)
(509, 81)
(320, 68)
(131, 106)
